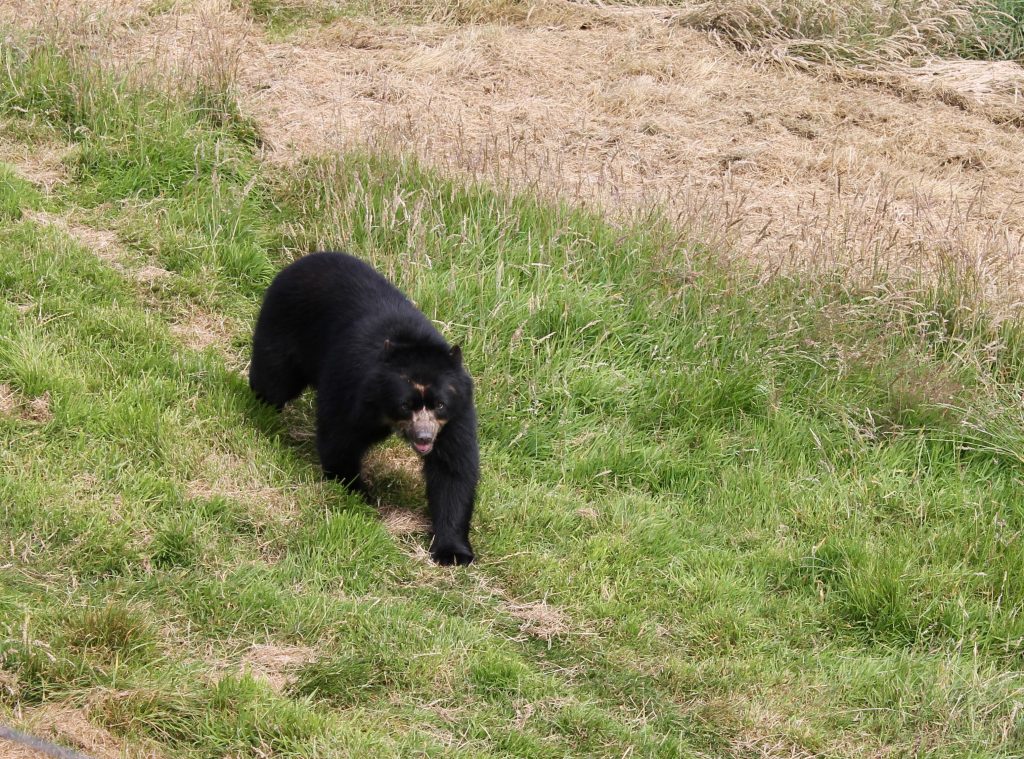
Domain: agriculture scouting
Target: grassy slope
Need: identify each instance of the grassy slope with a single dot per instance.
(765, 516)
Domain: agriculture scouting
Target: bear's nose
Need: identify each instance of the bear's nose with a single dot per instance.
(423, 437)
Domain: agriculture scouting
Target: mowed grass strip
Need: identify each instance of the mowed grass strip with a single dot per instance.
(762, 516)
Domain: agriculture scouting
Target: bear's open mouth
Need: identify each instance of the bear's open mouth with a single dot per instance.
(420, 430)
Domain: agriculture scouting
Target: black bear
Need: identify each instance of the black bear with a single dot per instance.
(332, 322)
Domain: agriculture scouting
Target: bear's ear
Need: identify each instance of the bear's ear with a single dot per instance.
(456, 354)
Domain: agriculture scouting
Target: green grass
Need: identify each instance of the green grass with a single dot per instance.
(776, 516)
(1002, 33)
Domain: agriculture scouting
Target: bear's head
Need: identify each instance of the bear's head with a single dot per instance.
(422, 390)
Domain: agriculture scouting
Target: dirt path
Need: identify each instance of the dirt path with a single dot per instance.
(626, 109)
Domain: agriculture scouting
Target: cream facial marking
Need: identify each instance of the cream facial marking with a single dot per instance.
(420, 430)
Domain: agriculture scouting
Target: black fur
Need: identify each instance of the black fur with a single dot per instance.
(332, 322)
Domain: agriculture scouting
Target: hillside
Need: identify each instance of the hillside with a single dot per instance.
(741, 305)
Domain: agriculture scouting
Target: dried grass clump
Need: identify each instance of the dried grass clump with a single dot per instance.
(68, 724)
(276, 664)
(103, 243)
(550, 13)
(16, 405)
(979, 80)
(74, 23)
(41, 164)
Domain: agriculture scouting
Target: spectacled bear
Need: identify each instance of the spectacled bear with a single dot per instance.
(332, 322)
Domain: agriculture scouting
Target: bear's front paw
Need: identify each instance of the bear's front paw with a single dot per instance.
(449, 553)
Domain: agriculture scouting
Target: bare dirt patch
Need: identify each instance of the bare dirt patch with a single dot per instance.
(69, 726)
(399, 521)
(14, 404)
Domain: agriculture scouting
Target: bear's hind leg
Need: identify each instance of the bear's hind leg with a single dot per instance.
(274, 378)
(341, 455)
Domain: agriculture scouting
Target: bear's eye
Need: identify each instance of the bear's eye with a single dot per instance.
(439, 406)
(406, 406)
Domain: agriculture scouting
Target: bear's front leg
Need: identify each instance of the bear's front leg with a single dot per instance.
(451, 471)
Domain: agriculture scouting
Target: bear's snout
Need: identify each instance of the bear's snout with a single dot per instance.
(421, 430)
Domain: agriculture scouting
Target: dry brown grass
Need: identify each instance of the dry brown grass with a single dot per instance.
(902, 170)
(103, 243)
(783, 169)
(199, 329)
(535, 618)
(539, 619)
(457, 12)
(14, 404)
(41, 164)
(399, 521)
(226, 475)
(274, 664)
(980, 80)
(69, 725)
